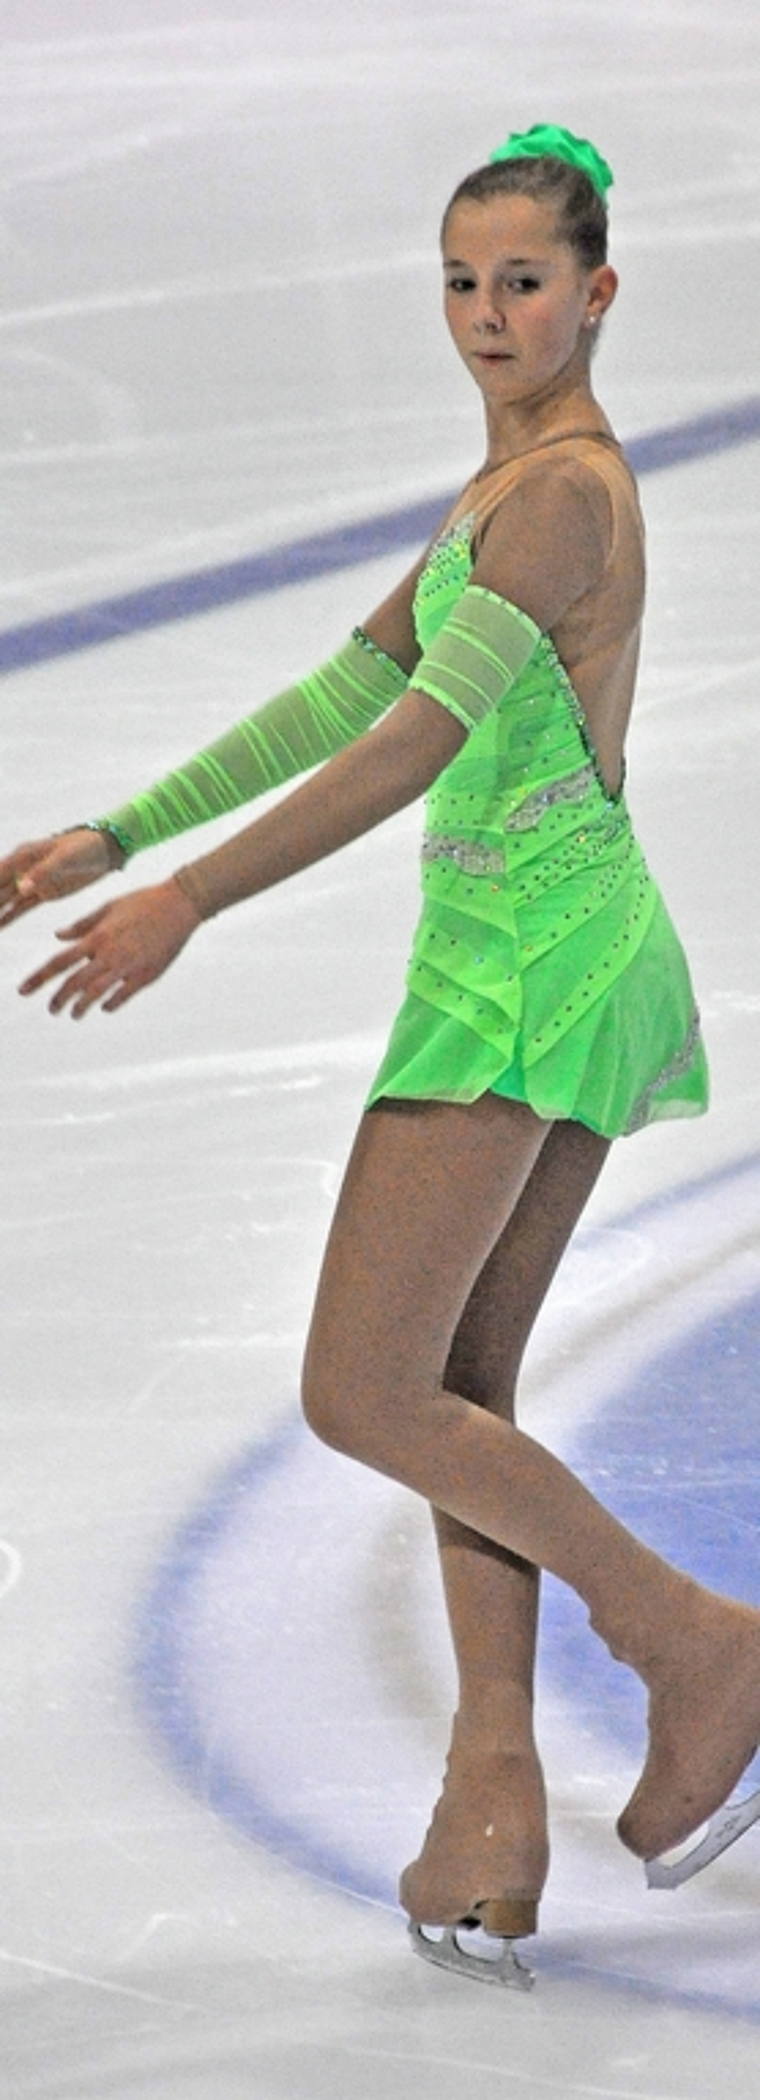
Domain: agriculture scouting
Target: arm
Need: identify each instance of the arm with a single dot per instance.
(296, 731)
(291, 734)
(480, 651)
(118, 950)
(363, 786)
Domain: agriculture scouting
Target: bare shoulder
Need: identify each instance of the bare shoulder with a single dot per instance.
(555, 495)
(549, 538)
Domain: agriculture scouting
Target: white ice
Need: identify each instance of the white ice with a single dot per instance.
(225, 1681)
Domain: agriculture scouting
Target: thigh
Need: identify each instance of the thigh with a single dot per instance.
(428, 1191)
(508, 1293)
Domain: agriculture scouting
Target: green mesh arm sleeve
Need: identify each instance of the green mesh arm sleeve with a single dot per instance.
(291, 733)
(478, 653)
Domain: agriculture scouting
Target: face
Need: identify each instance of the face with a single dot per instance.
(519, 303)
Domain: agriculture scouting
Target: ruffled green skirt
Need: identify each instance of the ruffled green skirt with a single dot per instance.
(546, 968)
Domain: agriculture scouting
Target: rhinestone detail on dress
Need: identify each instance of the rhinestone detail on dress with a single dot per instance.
(641, 1112)
(572, 789)
(465, 853)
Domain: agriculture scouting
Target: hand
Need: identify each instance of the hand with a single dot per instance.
(118, 950)
(47, 868)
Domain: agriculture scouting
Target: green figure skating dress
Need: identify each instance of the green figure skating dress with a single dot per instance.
(545, 966)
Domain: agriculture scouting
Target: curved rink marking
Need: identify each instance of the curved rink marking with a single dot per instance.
(292, 1653)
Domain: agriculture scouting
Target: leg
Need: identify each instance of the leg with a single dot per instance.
(427, 1194)
(489, 1827)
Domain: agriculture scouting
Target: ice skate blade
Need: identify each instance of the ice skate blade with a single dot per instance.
(446, 1952)
(723, 1830)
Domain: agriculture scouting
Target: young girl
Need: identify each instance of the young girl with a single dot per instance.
(548, 1009)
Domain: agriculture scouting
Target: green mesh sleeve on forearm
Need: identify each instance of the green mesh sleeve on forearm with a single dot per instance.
(291, 733)
(477, 654)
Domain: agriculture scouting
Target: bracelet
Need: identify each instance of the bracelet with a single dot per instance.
(118, 843)
(114, 841)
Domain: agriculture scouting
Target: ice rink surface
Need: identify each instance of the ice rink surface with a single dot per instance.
(225, 1677)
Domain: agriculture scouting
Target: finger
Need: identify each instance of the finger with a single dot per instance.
(67, 959)
(119, 998)
(84, 988)
(16, 897)
(72, 987)
(13, 869)
(34, 886)
(53, 968)
(88, 981)
(24, 894)
(57, 963)
(94, 996)
(14, 907)
(107, 991)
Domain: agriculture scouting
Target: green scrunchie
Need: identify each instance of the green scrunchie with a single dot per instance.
(563, 145)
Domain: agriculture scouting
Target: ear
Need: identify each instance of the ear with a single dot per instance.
(602, 287)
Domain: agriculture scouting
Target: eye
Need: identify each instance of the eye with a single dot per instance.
(525, 284)
(460, 283)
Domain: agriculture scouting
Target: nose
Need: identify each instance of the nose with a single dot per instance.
(490, 319)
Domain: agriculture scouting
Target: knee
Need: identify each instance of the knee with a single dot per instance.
(342, 1408)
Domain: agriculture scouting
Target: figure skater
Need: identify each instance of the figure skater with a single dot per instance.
(548, 1009)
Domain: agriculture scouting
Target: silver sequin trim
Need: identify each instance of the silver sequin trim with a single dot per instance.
(465, 853)
(678, 1064)
(573, 789)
